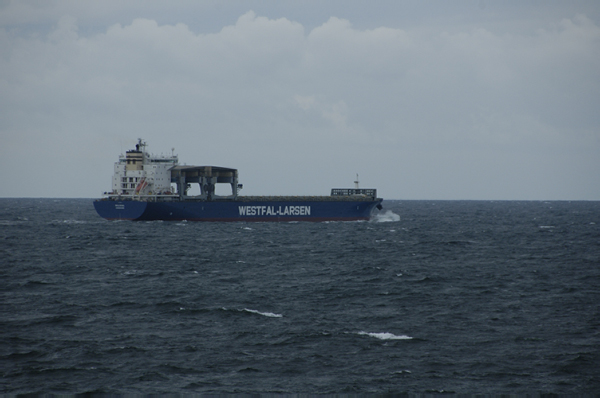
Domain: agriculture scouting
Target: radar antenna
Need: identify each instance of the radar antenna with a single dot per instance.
(356, 182)
(141, 145)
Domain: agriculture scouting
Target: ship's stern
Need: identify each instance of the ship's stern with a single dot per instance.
(120, 210)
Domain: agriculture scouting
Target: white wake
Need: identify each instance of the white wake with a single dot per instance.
(388, 216)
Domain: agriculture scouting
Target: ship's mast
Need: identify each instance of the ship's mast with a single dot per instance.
(141, 146)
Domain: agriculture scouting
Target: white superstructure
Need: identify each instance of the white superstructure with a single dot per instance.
(140, 173)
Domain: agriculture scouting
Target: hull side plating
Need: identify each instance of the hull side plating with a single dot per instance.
(237, 210)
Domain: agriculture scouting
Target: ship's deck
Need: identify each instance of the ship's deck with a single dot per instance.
(173, 198)
(350, 198)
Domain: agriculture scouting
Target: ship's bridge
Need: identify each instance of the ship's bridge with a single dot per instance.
(206, 177)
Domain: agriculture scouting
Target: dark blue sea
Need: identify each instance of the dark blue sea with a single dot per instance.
(430, 297)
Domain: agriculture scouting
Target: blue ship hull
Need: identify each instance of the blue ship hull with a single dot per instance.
(272, 210)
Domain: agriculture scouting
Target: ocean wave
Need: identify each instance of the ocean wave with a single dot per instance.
(124, 297)
(9, 223)
(388, 216)
(385, 336)
(269, 314)
(69, 221)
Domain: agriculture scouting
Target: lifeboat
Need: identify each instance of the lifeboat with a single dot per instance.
(142, 184)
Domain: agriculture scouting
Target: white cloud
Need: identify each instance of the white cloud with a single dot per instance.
(305, 102)
(337, 114)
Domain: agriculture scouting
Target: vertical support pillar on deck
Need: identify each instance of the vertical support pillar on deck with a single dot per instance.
(181, 185)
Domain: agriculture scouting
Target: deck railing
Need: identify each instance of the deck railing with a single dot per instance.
(353, 191)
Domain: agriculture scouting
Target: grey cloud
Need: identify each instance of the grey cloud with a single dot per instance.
(439, 112)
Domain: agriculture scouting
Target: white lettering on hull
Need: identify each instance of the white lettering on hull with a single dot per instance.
(274, 211)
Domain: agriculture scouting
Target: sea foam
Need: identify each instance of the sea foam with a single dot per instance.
(388, 216)
(385, 336)
(269, 314)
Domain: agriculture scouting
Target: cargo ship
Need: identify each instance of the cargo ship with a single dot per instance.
(147, 187)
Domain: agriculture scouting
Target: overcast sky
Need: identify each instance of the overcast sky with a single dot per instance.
(470, 99)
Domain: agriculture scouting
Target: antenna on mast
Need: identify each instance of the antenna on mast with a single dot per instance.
(356, 182)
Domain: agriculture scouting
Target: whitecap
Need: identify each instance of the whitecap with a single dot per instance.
(67, 222)
(385, 336)
(132, 272)
(269, 314)
(388, 216)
